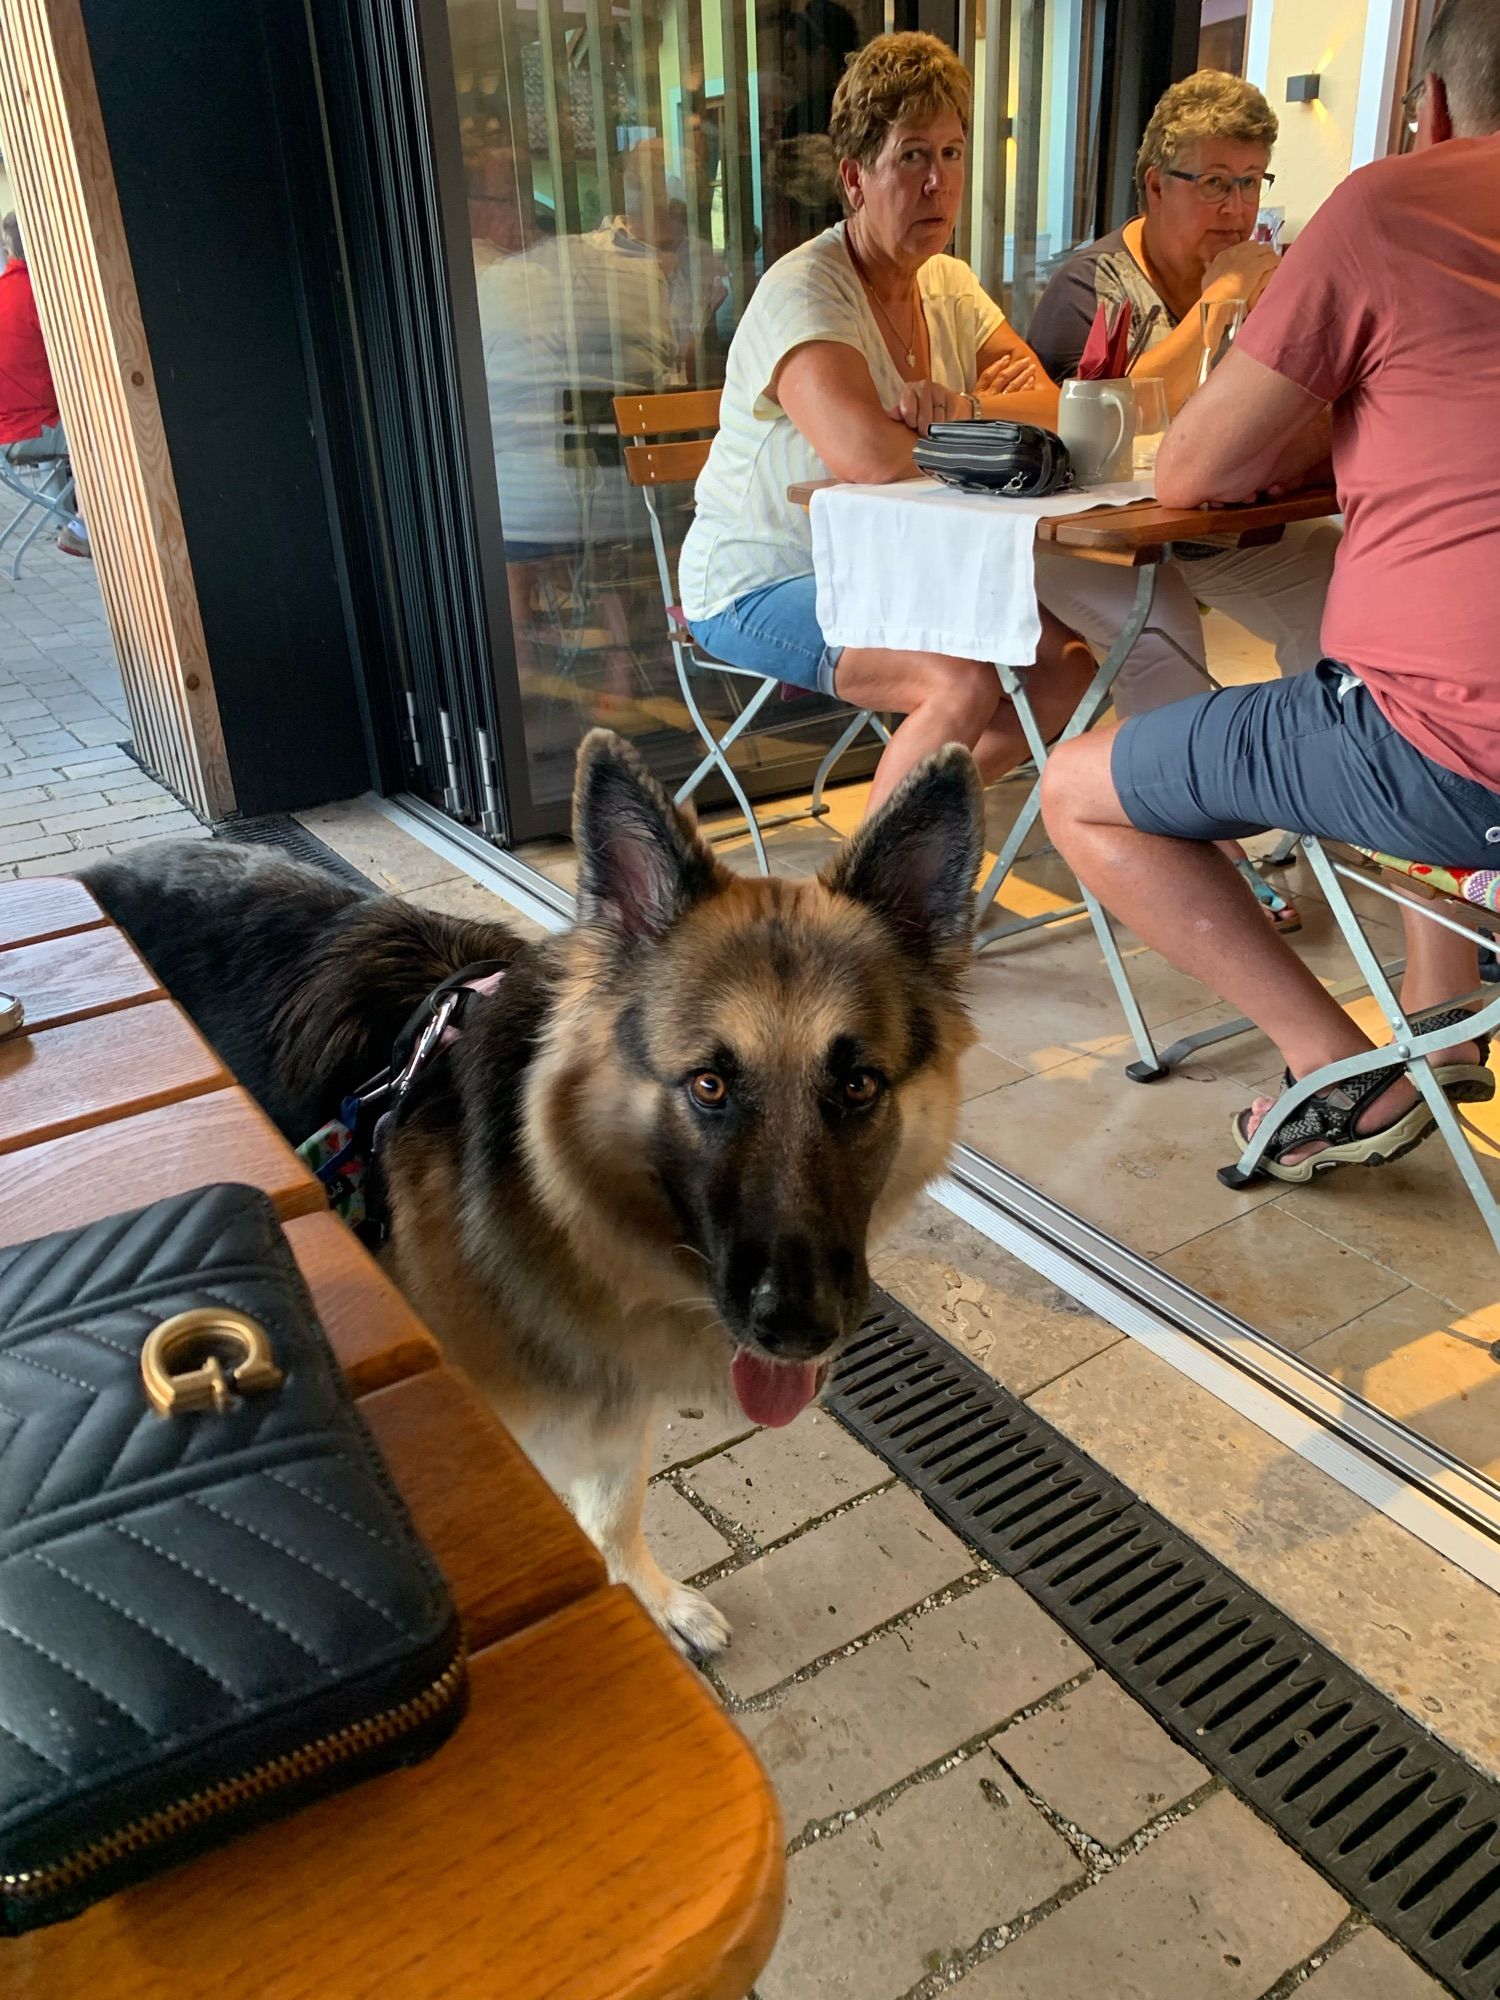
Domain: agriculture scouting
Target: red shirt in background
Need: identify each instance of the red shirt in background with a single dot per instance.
(1388, 307)
(28, 401)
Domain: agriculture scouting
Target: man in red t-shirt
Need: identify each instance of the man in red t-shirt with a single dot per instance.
(28, 401)
(31, 430)
(1377, 337)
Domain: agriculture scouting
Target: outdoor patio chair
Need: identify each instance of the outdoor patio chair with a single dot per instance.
(668, 447)
(1458, 899)
(43, 482)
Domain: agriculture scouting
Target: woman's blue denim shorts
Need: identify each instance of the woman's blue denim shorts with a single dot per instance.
(773, 631)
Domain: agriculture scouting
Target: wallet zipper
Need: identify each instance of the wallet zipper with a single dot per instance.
(294, 1765)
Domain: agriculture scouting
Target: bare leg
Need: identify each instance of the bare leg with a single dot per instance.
(1439, 965)
(947, 700)
(603, 1469)
(1064, 668)
(1186, 900)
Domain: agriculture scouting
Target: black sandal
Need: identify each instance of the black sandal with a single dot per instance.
(1461, 1083)
(1331, 1117)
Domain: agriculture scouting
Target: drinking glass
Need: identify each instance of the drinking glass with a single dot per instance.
(1221, 320)
(1150, 421)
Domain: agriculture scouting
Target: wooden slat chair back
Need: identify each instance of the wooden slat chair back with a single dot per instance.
(661, 452)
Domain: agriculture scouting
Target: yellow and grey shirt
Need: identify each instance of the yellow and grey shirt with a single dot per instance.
(1100, 274)
(745, 532)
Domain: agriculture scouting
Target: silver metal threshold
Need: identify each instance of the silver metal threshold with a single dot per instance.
(1451, 1506)
(1447, 1504)
(526, 889)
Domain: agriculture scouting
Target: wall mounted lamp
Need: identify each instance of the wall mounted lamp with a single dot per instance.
(1303, 89)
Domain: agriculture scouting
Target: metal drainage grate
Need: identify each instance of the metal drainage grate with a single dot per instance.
(281, 830)
(1402, 1825)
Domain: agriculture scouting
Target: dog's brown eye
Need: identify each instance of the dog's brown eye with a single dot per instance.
(709, 1089)
(861, 1088)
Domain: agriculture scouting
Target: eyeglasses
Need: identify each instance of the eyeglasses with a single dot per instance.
(1217, 188)
(1411, 103)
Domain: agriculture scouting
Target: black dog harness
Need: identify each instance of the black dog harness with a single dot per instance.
(345, 1153)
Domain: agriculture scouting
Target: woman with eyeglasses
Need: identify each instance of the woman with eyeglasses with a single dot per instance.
(1202, 173)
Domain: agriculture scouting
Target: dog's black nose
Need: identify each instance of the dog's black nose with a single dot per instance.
(791, 1326)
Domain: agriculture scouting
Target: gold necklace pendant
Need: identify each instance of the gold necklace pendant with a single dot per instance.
(909, 341)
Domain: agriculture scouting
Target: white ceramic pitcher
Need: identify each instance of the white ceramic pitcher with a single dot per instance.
(1096, 421)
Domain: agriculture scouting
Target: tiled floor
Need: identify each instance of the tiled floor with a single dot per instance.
(968, 1802)
(68, 791)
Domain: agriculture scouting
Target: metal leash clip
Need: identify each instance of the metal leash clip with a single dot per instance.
(427, 1044)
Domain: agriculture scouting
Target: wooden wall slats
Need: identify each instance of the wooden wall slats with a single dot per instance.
(52, 133)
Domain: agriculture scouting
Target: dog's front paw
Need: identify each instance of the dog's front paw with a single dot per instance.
(694, 1626)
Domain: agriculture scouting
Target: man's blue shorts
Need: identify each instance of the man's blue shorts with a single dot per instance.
(1313, 754)
(774, 631)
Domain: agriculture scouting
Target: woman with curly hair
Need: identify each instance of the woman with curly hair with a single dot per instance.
(852, 345)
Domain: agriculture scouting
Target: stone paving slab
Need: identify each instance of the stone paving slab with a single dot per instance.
(1101, 1760)
(63, 717)
(817, 1593)
(900, 1894)
(777, 1480)
(1019, 1327)
(683, 1541)
(1370, 1967)
(688, 1433)
(378, 848)
(909, 1698)
(1216, 1908)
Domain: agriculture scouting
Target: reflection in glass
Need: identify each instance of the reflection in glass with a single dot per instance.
(631, 170)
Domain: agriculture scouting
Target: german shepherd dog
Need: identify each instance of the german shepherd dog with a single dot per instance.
(647, 1171)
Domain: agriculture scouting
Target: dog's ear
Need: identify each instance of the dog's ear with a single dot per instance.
(915, 860)
(640, 861)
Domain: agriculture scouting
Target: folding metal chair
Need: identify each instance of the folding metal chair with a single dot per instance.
(1090, 707)
(43, 482)
(663, 450)
(1455, 898)
(1151, 1064)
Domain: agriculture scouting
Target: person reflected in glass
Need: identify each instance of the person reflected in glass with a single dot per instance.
(1202, 172)
(500, 220)
(698, 288)
(655, 223)
(820, 40)
(802, 177)
(851, 346)
(569, 322)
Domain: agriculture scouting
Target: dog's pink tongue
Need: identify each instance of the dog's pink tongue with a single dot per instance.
(773, 1392)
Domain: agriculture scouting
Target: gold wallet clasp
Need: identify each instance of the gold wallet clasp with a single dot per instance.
(173, 1391)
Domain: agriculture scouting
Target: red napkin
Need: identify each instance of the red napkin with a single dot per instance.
(1105, 351)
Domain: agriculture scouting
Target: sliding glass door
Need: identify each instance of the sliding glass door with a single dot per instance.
(545, 203)
(627, 173)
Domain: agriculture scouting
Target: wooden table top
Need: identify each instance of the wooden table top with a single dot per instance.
(1142, 532)
(597, 1829)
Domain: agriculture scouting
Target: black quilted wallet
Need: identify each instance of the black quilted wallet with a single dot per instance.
(213, 1604)
(1009, 461)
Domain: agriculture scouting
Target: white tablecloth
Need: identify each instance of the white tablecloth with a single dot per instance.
(921, 568)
